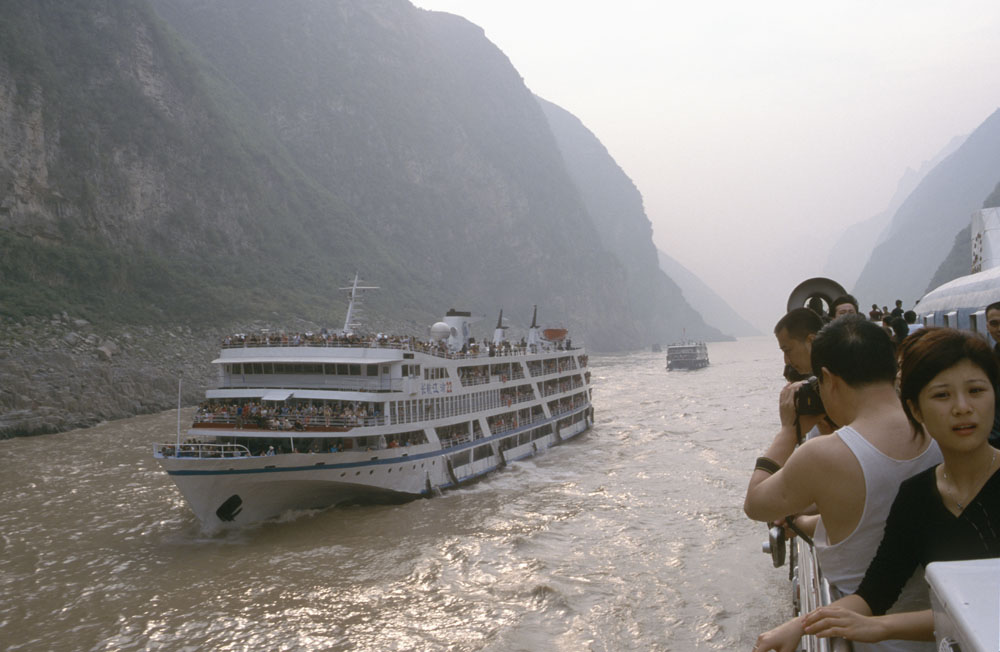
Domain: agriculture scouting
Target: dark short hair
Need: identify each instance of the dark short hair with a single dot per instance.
(930, 351)
(846, 298)
(855, 349)
(800, 323)
(899, 328)
(910, 317)
(993, 306)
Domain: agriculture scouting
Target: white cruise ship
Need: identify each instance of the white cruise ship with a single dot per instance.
(318, 419)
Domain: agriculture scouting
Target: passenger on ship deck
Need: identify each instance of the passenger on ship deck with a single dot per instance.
(910, 317)
(795, 333)
(844, 305)
(875, 314)
(852, 476)
(993, 326)
(948, 512)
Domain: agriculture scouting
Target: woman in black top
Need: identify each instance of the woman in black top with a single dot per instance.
(947, 513)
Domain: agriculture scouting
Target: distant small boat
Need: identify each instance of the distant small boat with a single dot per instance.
(687, 355)
(656, 347)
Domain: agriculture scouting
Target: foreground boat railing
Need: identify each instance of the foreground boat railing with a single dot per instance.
(810, 590)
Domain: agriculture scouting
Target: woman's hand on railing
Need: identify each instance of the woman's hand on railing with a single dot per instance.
(783, 638)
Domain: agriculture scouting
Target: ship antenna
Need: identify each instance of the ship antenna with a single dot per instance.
(534, 317)
(500, 319)
(354, 302)
(179, 381)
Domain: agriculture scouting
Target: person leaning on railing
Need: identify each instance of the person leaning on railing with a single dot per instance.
(948, 512)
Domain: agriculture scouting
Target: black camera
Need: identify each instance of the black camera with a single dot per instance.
(807, 400)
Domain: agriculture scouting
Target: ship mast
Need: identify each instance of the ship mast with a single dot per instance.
(354, 303)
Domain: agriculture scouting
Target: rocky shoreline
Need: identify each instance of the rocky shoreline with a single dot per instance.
(62, 373)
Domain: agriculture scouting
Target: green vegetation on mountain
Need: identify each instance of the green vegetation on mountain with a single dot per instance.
(217, 162)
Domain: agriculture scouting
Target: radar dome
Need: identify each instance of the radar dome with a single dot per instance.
(439, 331)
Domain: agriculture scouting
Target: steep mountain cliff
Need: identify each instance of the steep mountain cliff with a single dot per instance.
(188, 161)
(959, 260)
(132, 186)
(615, 205)
(923, 229)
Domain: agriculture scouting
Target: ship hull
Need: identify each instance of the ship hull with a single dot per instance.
(238, 491)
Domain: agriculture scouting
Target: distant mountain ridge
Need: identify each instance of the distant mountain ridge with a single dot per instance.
(850, 252)
(704, 299)
(924, 227)
(959, 260)
(182, 160)
(615, 205)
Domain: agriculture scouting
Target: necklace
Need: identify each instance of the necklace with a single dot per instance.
(944, 473)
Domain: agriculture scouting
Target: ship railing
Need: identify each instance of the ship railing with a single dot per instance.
(810, 589)
(569, 408)
(448, 442)
(559, 390)
(501, 378)
(402, 346)
(521, 423)
(276, 381)
(310, 423)
(200, 450)
(475, 380)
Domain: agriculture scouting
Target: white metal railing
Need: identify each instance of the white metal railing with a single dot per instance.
(563, 410)
(417, 347)
(521, 423)
(312, 422)
(537, 373)
(559, 390)
(200, 450)
(455, 440)
(475, 380)
(324, 383)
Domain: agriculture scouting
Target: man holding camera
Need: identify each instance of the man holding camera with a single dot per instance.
(798, 404)
(852, 476)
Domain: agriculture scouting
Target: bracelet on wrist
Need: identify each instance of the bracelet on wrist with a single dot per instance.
(767, 464)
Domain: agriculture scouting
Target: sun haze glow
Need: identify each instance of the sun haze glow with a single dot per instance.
(757, 131)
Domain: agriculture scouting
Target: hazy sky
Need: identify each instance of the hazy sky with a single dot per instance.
(757, 131)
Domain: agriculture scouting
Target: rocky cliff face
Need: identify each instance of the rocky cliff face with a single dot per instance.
(424, 128)
(171, 163)
(63, 372)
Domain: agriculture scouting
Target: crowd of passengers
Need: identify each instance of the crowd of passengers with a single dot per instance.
(516, 394)
(299, 416)
(901, 470)
(328, 338)
(269, 447)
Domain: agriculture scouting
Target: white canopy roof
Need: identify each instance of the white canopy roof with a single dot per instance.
(975, 292)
